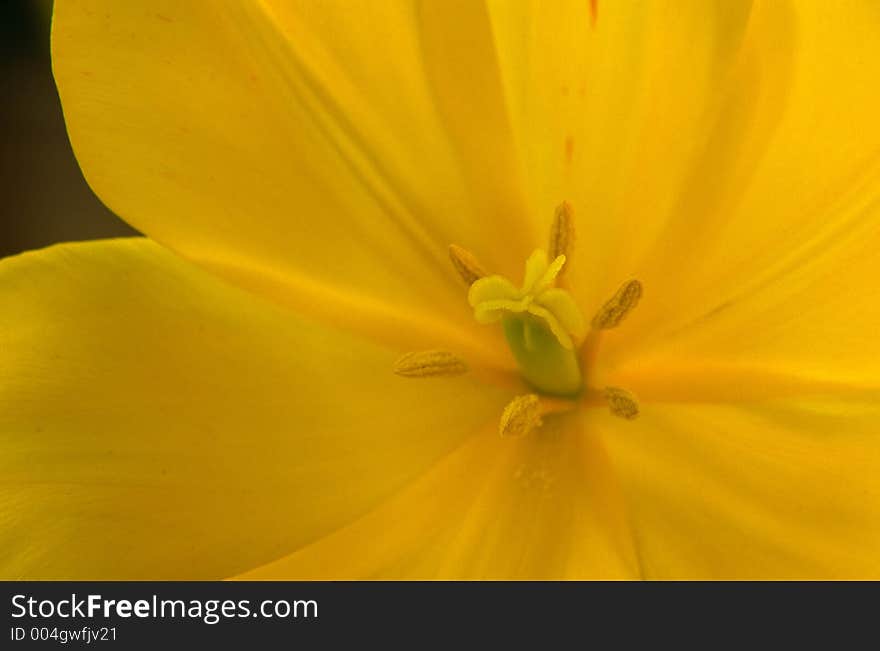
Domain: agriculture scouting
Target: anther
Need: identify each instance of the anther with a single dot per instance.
(430, 363)
(621, 403)
(465, 264)
(521, 416)
(562, 231)
(614, 311)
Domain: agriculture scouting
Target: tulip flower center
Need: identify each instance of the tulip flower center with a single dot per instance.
(541, 323)
(544, 329)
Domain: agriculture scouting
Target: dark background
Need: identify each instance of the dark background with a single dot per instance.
(43, 196)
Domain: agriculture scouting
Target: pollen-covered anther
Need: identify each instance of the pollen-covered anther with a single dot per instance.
(621, 304)
(621, 403)
(430, 363)
(521, 416)
(562, 232)
(465, 264)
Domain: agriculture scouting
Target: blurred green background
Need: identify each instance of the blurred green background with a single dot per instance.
(43, 196)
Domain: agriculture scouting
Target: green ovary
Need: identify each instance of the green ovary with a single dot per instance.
(544, 363)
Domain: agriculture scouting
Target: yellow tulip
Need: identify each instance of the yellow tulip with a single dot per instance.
(220, 399)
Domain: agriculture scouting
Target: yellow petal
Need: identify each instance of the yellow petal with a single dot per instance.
(611, 112)
(158, 423)
(813, 315)
(279, 146)
(785, 489)
(789, 173)
(541, 507)
(459, 49)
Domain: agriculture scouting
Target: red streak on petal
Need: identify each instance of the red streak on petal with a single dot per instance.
(594, 12)
(569, 149)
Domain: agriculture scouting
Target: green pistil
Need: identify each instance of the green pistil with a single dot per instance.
(541, 321)
(544, 363)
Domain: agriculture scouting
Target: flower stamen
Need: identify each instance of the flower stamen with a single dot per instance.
(621, 304)
(562, 232)
(430, 363)
(465, 264)
(521, 416)
(621, 403)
